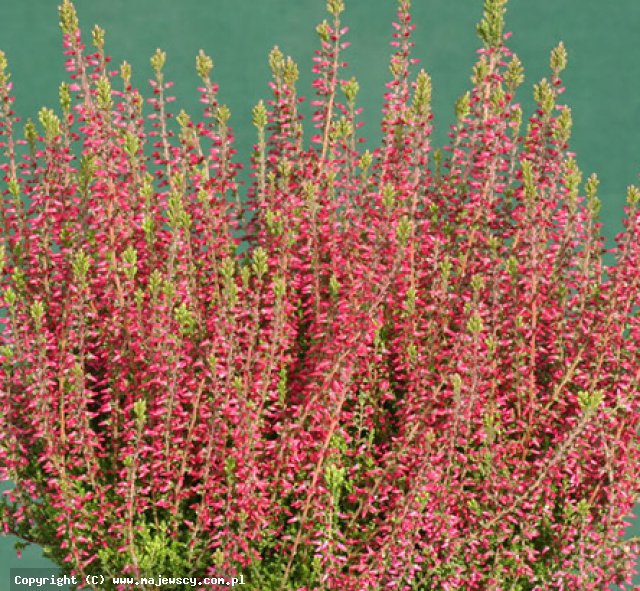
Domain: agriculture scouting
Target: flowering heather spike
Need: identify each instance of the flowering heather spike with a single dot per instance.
(414, 377)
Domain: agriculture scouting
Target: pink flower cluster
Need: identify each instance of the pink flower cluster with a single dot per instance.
(419, 375)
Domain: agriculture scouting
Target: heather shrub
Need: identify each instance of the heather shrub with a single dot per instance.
(402, 368)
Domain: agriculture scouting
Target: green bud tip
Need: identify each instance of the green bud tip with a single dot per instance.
(157, 61)
(68, 18)
(260, 115)
(125, 72)
(490, 29)
(558, 59)
(98, 37)
(204, 65)
(276, 62)
(335, 7)
(514, 76)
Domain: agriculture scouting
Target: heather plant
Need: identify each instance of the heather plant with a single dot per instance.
(404, 368)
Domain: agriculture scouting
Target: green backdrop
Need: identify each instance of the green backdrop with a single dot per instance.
(603, 77)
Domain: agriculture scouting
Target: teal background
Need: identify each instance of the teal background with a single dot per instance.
(603, 77)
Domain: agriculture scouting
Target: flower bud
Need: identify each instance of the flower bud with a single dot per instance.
(130, 257)
(633, 195)
(10, 296)
(276, 62)
(218, 555)
(50, 122)
(543, 95)
(228, 268)
(335, 7)
(456, 382)
(80, 267)
(591, 189)
(514, 75)
(260, 115)
(445, 267)
(589, 401)
(259, 264)
(223, 114)
(131, 145)
(558, 59)
(411, 300)
(138, 297)
(140, 411)
(37, 313)
(463, 107)
(204, 65)
(98, 38)
(388, 196)
(30, 134)
(168, 289)
(334, 477)
(366, 160)
(491, 26)
(125, 72)
(412, 352)
(290, 73)
(14, 187)
(186, 319)
(104, 94)
(7, 353)
(279, 287)
(65, 98)
(157, 61)
(334, 286)
(282, 385)
(475, 324)
(341, 129)
(422, 95)
(564, 123)
(68, 18)
(528, 179)
(350, 90)
(324, 31)
(403, 231)
(498, 99)
(4, 77)
(155, 280)
(477, 282)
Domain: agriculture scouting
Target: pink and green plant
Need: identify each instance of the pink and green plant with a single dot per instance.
(419, 375)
